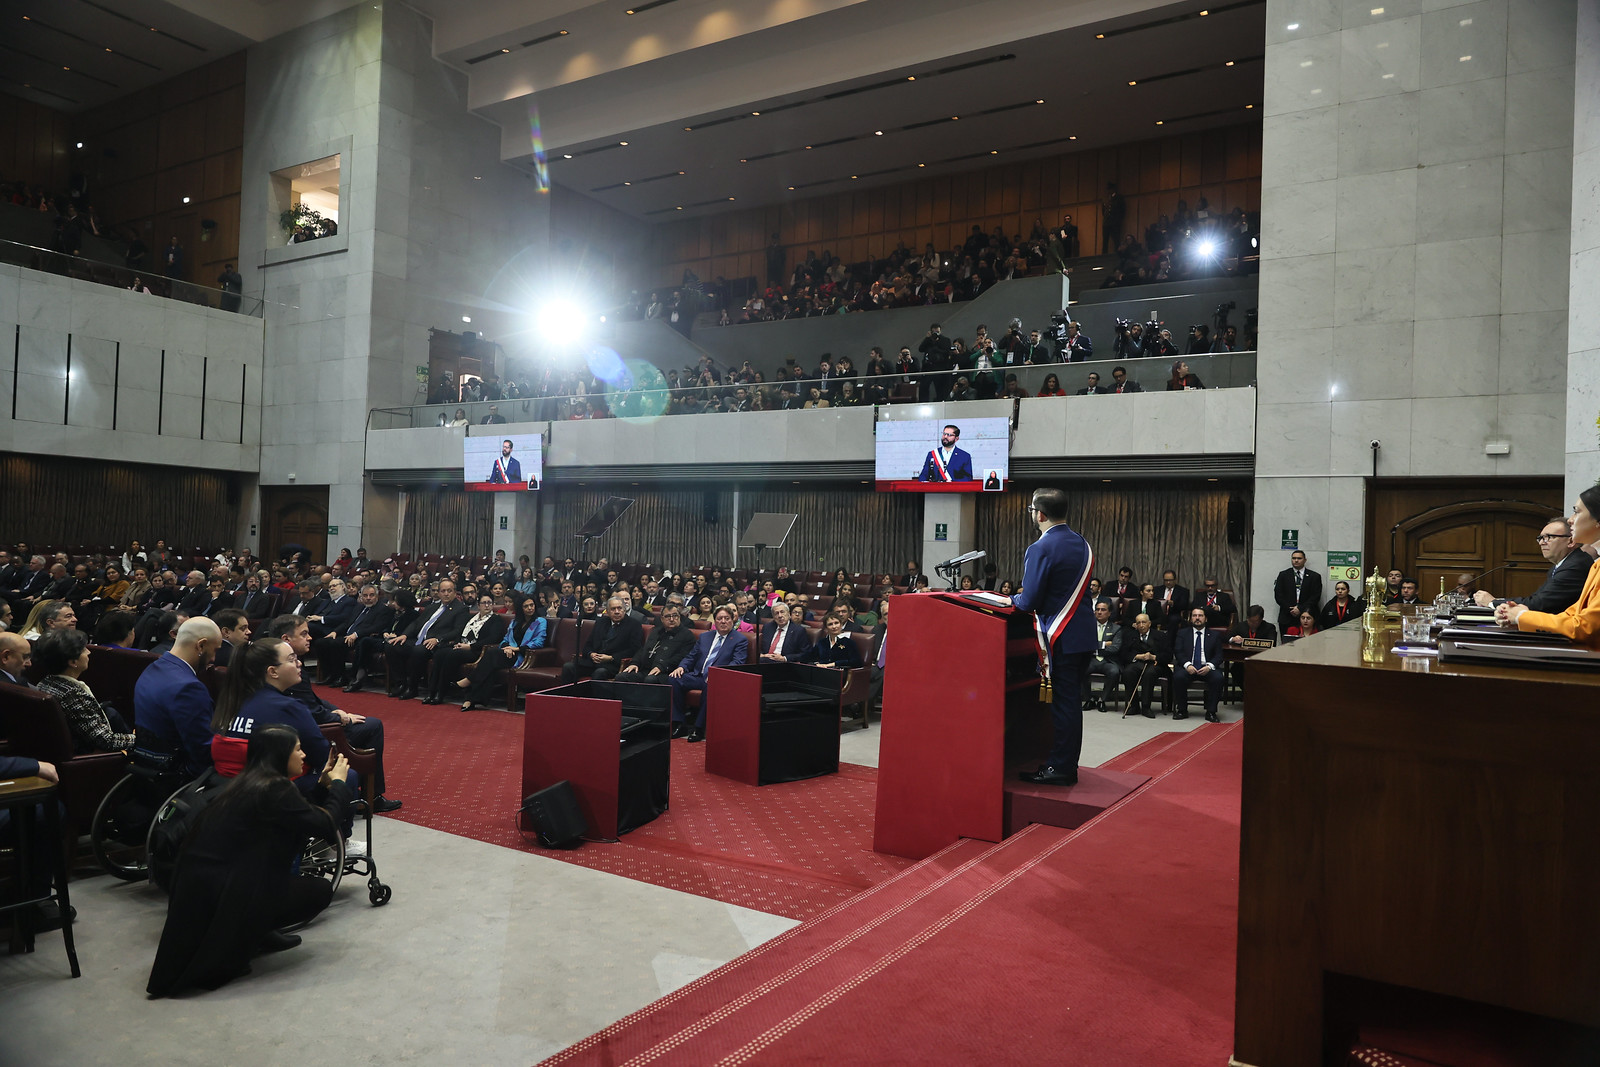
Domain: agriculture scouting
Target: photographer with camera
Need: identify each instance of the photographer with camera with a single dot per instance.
(1159, 342)
(1034, 350)
(1130, 340)
(1199, 339)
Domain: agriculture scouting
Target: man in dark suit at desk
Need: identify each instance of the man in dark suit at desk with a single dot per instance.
(1296, 589)
(1055, 582)
(616, 636)
(1196, 658)
(947, 463)
(782, 640)
(1147, 656)
(1564, 583)
(721, 647)
(506, 469)
(1219, 606)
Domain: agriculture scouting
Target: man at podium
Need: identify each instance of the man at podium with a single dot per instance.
(1055, 583)
(947, 463)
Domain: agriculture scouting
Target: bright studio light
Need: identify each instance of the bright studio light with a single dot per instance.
(1207, 249)
(560, 313)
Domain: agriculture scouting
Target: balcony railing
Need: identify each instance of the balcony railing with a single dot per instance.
(42, 259)
(1215, 371)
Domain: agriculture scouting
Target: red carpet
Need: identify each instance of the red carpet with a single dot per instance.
(794, 849)
(1109, 944)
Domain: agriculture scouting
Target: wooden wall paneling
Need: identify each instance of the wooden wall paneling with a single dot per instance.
(1213, 157)
(175, 183)
(1150, 167)
(182, 134)
(1190, 156)
(977, 201)
(186, 87)
(1028, 186)
(1129, 169)
(224, 119)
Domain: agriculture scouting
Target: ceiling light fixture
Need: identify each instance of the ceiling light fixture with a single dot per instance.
(1038, 101)
(877, 133)
(503, 51)
(922, 164)
(1099, 36)
(1229, 63)
(755, 113)
(1133, 83)
(791, 188)
(686, 129)
(1160, 122)
(624, 144)
(566, 155)
(466, 318)
(911, 77)
(1203, 14)
(186, 200)
(80, 144)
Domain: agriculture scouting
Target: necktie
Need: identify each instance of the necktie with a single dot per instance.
(423, 636)
(777, 639)
(1199, 649)
(883, 647)
(716, 643)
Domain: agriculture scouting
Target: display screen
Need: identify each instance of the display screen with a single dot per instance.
(506, 463)
(943, 456)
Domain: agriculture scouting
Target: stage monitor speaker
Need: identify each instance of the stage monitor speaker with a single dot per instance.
(1236, 521)
(708, 507)
(553, 814)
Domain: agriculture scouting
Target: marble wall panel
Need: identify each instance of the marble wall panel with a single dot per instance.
(1534, 423)
(1539, 36)
(1300, 146)
(10, 292)
(1375, 210)
(1295, 365)
(44, 301)
(185, 374)
(1379, 135)
(1458, 278)
(1359, 423)
(1465, 121)
(1302, 74)
(1293, 439)
(1381, 59)
(1448, 435)
(1534, 272)
(1465, 43)
(1461, 199)
(1456, 357)
(1295, 20)
(1370, 362)
(1375, 285)
(1297, 293)
(1533, 352)
(1539, 195)
(180, 415)
(1539, 109)
(40, 388)
(222, 420)
(138, 410)
(91, 392)
(1358, 13)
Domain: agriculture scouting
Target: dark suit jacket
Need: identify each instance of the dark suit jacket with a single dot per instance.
(255, 605)
(959, 468)
(734, 650)
(1329, 616)
(1183, 649)
(492, 632)
(1155, 641)
(1220, 614)
(1265, 631)
(1178, 606)
(337, 615)
(665, 650)
(61, 589)
(795, 640)
(1111, 650)
(1563, 585)
(1152, 608)
(621, 639)
(33, 583)
(195, 602)
(1310, 590)
(376, 621)
(448, 627)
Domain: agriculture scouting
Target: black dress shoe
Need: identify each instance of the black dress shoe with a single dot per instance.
(383, 805)
(1212, 716)
(680, 729)
(1050, 776)
(430, 699)
(277, 941)
(1180, 714)
(1149, 712)
(353, 687)
(405, 694)
(695, 737)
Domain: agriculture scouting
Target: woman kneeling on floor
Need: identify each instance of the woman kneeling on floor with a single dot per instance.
(235, 882)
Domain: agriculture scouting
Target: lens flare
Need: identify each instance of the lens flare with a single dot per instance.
(541, 168)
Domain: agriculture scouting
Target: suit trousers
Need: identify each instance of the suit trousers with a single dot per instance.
(1066, 713)
(329, 652)
(408, 663)
(1136, 679)
(369, 734)
(1182, 679)
(682, 686)
(1110, 670)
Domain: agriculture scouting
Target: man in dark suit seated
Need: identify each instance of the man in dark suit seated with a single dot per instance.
(1107, 658)
(436, 628)
(663, 650)
(1147, 658)
(782, 640)
(1569, 569)
(170, 702)
(336, 613)
(1196, 659)
(1220, 609)
(1091, 387)
(1255, 627)
(1174, 600)
(335, 650)
(253, 602)
(720, 647)
(616, 636)
(1121, 383)
(196, 595)
(1407, 594)
(236, 632)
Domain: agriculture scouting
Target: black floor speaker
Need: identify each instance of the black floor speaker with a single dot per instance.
(553, 814)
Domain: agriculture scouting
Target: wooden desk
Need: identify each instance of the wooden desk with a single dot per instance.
(1426, 825)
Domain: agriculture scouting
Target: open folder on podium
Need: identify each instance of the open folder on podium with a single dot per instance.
(961, 713)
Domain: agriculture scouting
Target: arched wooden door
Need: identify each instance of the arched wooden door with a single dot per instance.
(1472, 537)
(295, 515)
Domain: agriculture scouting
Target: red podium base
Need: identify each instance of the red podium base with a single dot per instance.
(1066, 806)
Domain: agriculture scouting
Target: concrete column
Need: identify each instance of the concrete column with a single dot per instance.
(516, 524)
(1583, 315)
(957, 513)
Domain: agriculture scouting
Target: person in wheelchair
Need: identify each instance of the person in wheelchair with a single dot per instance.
(235, 885)
(255, 694)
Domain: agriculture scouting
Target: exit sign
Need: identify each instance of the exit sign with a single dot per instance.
(332, 530)
(941, 531)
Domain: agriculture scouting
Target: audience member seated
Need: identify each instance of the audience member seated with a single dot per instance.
(666, 647)
(1305, 627)
(1219, 606)
(1196, 658)
(411, 653)
(1341, 609)
(171, 706)
(614, 638)
(362, 731)
(236, 631)
(235, 883)
(1147, 658)
(1182, 379)
(833, 648)
(1407, 594)
(526, 634)
(115, 629)
(64, 655)
(782, 640)
(482, 631)
(1580, 621)
(720, 647)
(1255, 627)
(1106, 660)
(49, 615)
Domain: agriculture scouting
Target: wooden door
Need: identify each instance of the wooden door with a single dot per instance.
(295, 515)
(1474, 537)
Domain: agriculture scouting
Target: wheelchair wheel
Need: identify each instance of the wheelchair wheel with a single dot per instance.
(119, 832)
(321, 860)
(379, 895)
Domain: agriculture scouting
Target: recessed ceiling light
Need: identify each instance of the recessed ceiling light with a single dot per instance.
(561, 33)
(1248, 107)
(791, 188)
(466, 318)
(741, 161)
(680, 172)
(1229, 63)
(503, 51)
(1159, 122)
(1099, 36)
(853, 177)
(680, 207)
(808, 148)
(686, 129)
(755, 112)
(627, 183)
(1203, 14)
(1038, 101)
(629, 11)
(994, 151)
(1133, 83)
(1072, 137)
(730, 198)
(955, 118)
(80, 144)
(186, 200)
(877, 133)
(566, 155)
(624, 144)
(911, 77)
(477, 177)
(922, 164)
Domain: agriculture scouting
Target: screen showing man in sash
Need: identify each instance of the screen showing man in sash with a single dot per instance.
(502, 463)
(506, 469)
(966, 457)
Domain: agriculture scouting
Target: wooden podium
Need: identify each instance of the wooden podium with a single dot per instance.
(1416, 824)
(961, 713)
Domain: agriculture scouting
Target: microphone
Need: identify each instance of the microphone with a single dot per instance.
(967, 557)
(1491, 570)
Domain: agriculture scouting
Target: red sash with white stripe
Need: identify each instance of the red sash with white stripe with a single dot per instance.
(944, 475)
(499, 465)
(1048, 630)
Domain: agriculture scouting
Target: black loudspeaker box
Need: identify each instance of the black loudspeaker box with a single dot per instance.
(1236, 521)
(554, 815)
(708, 507)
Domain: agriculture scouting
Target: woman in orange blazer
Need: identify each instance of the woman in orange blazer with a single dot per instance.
(1580, 622)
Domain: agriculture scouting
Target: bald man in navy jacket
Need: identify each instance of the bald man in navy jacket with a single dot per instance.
(1055, 583)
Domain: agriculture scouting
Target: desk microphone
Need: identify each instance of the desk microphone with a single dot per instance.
(1491, 570)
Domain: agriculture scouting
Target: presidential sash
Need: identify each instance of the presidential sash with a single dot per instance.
(500, 466)
(944, 475)
(1048, 630)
